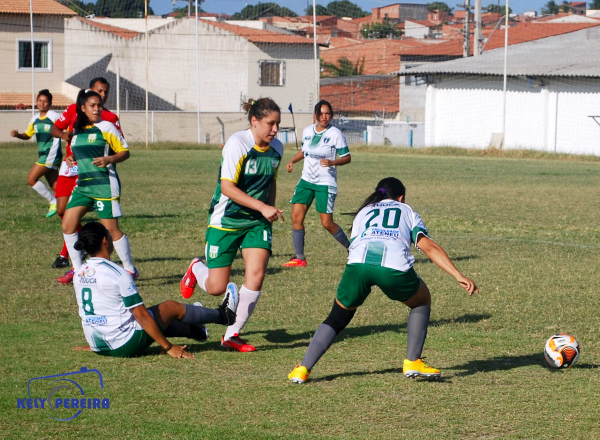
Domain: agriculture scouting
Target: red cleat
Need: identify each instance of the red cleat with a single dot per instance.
(295, 262)
(67, 278)
(189, 281)
(238, 344)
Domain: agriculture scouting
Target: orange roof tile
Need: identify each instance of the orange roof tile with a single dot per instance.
(40, 7)
(358, 94)
(257, 35)
(119, 32)
(10, 101)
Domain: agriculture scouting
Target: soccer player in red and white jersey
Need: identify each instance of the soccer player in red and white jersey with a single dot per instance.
(67, 176)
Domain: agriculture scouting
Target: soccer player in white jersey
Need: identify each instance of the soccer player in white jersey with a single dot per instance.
(113, 315)
(241, 215)
(49, 152)
(324, 148)
(382, 233)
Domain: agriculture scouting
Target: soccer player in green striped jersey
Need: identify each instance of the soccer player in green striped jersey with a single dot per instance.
(324, 148)
(49, 152)
(241, 214)
(97, 146)
(382, 232)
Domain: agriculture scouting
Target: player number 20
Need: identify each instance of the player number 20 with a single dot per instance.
(391, 218)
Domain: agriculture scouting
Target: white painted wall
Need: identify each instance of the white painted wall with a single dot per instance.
(466, 111)
(229, 66)
(415, 30)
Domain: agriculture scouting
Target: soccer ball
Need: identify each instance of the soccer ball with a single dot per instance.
(562, 351)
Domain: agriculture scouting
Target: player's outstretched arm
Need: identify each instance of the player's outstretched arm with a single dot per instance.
(22, 136)
(141, 315)
(436, 254)
(58, 133)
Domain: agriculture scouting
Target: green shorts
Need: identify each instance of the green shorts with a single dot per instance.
(222, 246)
(106, 209)
(358, 279)
(136, 346)
(306, 192)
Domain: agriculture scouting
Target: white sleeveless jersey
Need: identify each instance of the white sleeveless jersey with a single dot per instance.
(382, 234)
(105, 294)
(324, 145)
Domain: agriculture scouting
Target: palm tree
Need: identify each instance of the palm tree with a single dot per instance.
(344, 67)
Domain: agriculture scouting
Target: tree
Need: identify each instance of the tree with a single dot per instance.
(321, 10)
(345, 8)
(551, 8)
(341, 8)
(344, 67)
(439, 6)
(183, 11)
(565, 7)
(121, 8)
(263, 10)
(81, 8)
(380, 30)
(498, 9)
(595, 4)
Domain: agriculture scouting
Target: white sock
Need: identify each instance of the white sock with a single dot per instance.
(248, 300)
(76, 258)
(43, 191)
(124, 253)
(200, 271)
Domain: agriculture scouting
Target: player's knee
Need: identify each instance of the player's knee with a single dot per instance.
(31, 181)
(329, 224)
(339, 317)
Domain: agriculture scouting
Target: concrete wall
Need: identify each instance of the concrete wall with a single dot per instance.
(229, 66)
(16, 27)
(415, 30)
(397, 134)
(465, 112)
(167, 127)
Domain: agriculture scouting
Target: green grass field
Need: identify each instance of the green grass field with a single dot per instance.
(526, 229)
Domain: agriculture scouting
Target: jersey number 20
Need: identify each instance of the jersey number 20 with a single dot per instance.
(391, 218)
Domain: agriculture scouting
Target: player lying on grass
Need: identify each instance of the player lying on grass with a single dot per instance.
(321, 144)
(49, 152)
(240, 215)
(382, 232)
(97, 146)
(114, 318)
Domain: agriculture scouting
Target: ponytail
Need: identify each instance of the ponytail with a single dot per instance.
(388, 188)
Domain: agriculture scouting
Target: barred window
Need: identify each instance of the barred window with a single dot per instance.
(42, 55)
(271, 73)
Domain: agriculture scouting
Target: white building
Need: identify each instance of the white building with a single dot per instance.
(235, 62)
(552, 102)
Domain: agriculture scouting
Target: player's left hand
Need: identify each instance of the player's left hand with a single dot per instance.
(101, 161)
(326, 163)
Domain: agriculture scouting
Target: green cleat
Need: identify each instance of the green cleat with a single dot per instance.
(51, 210)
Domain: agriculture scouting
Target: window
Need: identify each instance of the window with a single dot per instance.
(42, 55)
(271, 73)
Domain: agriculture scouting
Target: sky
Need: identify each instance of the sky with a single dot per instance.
(299, 6)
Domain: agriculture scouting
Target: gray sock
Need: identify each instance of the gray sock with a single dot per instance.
(298, 238)
(201, 315)
(320, 343)
(341, 237)
(178, 329)
(416, 327)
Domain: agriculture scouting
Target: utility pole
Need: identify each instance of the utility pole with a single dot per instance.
(477, 31)
(467, 29)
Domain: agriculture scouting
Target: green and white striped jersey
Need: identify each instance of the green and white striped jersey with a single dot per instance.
(382, 234)
(324, 145)
(253, 170)
(100, 139)
(105, 294)
(48, 146)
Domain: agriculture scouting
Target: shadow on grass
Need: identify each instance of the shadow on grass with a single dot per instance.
(269, 271)
(465, 258)
(397, 371)
(505, 363)
(283, 339)
(152, 216)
